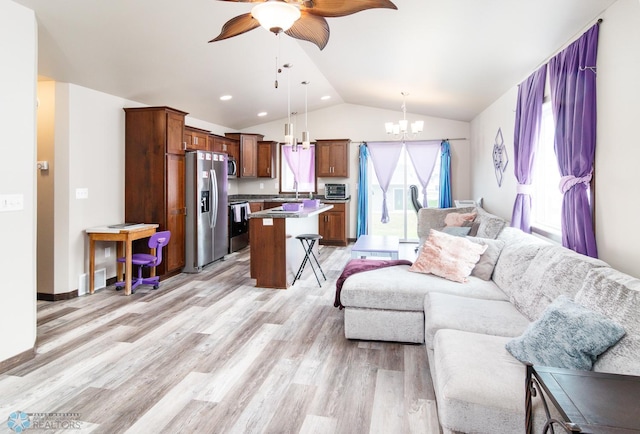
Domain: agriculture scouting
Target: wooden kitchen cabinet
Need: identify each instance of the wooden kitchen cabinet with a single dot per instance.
(154, 178)
(248, 160)
(333, 225)
(271, 204)
(196, 139)
(226, 145)
(267, 154)
(256, 206)
(332, 158)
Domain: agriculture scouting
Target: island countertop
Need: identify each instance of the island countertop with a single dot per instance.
(278, 212)
(276, 253)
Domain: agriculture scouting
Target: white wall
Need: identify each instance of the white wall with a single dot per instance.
(359, 123)
(617, 152)
(18, 51)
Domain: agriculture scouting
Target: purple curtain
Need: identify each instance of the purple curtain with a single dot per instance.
(303, 165)
(384, 156)
(525, 141)
(423, 156)
(572, 76)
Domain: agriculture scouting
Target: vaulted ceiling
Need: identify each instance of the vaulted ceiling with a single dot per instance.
(453, 57)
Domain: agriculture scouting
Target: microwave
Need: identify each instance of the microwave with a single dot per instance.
(232, 168)
(336, 191)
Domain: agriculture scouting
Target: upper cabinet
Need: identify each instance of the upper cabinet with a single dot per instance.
(196, 139)
(226, 145)
(332, 158)
(248, 161)
(267, 154)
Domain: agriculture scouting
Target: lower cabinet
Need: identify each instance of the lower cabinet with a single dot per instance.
(333, 225)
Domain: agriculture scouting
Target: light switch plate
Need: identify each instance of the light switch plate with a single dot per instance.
(11, 202)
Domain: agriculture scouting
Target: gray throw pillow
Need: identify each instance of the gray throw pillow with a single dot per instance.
(489, 225)
(486, 264)
(567, 335)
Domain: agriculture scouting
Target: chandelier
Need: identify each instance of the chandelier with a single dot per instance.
(400, 131)
(276, 16)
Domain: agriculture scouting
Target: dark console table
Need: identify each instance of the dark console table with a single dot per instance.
(589, 402)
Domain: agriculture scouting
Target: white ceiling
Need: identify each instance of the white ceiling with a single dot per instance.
(454, 57)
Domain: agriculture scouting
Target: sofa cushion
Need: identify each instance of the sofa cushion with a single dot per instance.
(458, 231)
(396, 288)
(567, 335)
(520, 248)
(487, 262)
(489, 225)
(480, 387)
(617, 296)
(434, 218)
(554, 271)
(492, 317)
(448, 256)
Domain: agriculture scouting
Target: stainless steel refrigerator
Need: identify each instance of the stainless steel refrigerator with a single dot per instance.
(207, 237)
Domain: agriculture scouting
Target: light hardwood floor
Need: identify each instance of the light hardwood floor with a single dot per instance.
(211, 353)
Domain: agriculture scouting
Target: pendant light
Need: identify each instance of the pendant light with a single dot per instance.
(288, 127)
(306, 143)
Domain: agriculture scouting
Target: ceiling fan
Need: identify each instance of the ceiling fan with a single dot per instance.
(300, 19)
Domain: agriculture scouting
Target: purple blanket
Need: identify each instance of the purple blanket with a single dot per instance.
(359, 265)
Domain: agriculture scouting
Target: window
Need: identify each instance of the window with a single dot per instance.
(302, 162)
(547, 198)
(403, 218)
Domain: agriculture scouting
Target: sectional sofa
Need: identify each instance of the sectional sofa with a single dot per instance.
(467, 327)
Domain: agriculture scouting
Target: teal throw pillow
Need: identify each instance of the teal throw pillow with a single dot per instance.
(567, 335)
(458, 231)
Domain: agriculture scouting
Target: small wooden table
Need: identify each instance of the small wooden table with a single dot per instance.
(125, 237)
(589, 402)
(376, 245)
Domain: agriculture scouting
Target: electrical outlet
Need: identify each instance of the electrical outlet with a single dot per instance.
(262, 186)
(107, 252)
(82, 193)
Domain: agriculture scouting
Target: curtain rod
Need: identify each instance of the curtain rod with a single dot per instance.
(570, 41)
(421, 140)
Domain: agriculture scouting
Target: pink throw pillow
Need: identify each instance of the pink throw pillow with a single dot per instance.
(448, 256)
(459, 219)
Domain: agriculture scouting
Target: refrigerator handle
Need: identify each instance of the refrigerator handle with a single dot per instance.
(214, 195)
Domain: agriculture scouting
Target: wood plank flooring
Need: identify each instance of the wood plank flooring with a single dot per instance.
(211, 353)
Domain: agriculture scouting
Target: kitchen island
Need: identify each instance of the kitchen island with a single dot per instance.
(275, 252)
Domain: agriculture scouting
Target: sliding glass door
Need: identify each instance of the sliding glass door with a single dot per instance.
(402, 216)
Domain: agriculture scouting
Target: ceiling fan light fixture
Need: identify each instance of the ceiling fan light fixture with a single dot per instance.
(276, 15)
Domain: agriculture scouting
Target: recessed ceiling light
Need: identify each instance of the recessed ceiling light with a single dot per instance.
(326, 97)
(262, 114)
(225, 97)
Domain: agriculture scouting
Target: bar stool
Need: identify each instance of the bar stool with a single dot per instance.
(308, 241)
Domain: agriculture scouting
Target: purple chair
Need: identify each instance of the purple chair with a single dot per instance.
(156, 241)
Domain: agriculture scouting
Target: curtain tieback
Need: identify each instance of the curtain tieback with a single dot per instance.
(524, 189)
(569, 181)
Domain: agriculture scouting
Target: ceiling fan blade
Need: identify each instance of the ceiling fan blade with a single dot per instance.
(237, 26)
(312, 28)
(340, 8)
